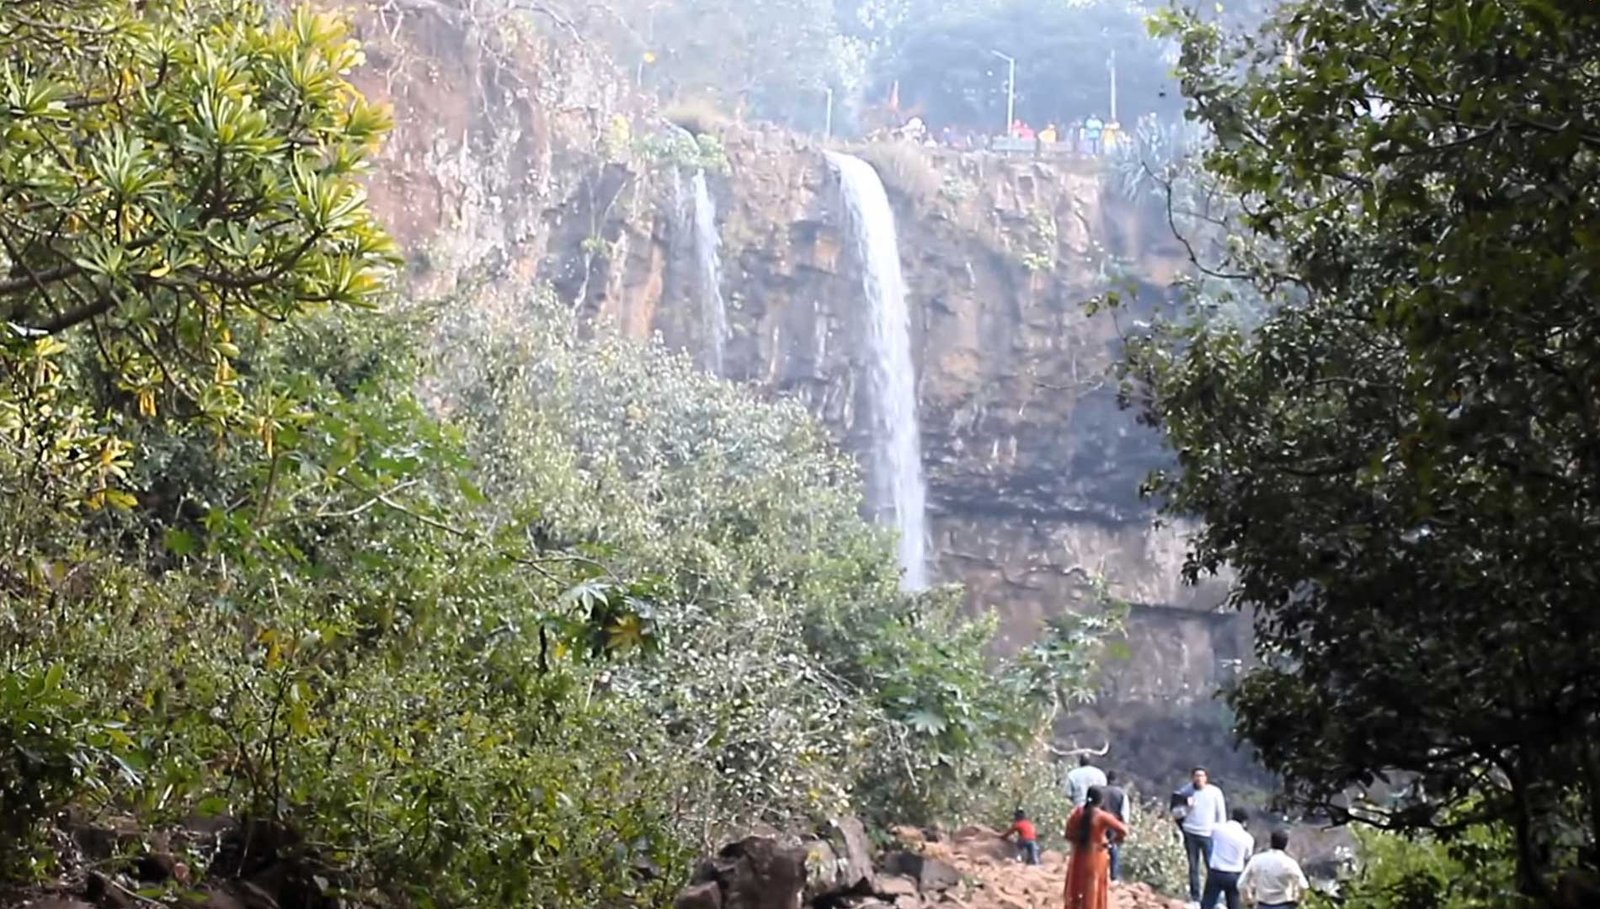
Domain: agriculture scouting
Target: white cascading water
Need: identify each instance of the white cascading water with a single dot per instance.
(708, 276)
(897, 486)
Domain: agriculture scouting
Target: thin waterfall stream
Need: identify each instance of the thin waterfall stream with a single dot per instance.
(897, 490)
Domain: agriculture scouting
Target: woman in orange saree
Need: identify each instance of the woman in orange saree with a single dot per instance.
(1090, 831)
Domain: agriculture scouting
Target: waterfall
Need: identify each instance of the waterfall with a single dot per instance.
(708, 276)
(897, 489)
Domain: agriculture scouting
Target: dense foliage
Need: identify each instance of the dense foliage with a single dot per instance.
(1153, 853)
(1399, 462)
(792, 667)
(1473, 869)
(514, 617)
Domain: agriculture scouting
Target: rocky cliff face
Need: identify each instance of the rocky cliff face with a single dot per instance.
(516, 162)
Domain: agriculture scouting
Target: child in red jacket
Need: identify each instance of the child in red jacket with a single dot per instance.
(1027, 837)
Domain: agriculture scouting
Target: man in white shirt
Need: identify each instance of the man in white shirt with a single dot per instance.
(1081, 777)
(1199, 809)
(1272, 879)
(1230, 851)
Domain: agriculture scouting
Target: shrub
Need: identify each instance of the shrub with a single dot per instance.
(1474, 869)
(686, 151)
(1154, 852)
(697, 115)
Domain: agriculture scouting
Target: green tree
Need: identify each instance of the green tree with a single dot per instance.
(1471, 869)
(172, 177)
(794, 677)
(1401, 462)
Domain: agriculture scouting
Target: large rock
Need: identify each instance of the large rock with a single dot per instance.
(757, 872)
(700, 896)
(894, 886)
(987, 841)
(849, 839)
(931, 874)
(840, 863)
(825, 873)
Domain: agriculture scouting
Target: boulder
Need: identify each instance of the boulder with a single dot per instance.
(910, 836)
(976, 840)
(848, 837)
(700, 896)
(893, 886)
(932, 875)
(825, 871)
(757, 872)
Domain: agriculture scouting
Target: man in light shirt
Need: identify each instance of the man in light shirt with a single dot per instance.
(1231, 847)
(1081, 777)
(1199, 809)
(1272, 879)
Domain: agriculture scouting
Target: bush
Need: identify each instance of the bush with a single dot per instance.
(1474, 869)
(697, 115)
(686, 151)
(533, 642)
(905, 169)
(1154, 852)
(845, 692)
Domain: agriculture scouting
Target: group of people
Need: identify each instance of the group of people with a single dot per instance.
(1223, 862)
(1089, 136)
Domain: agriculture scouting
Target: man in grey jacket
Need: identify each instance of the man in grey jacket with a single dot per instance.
(1199, 809)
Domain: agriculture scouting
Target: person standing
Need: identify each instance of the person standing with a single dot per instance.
(1092, 129)
(1231, 846)
(1273, 879)
(1199, 809)
(1116, 802)
(1082, 777)
(1091, 830)
(1027, 837)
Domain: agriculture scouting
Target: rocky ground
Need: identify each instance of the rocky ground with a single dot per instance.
(972, 868)
(992, 879)
(263, 866)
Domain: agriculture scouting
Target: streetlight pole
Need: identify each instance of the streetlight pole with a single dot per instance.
(1011, 89)
(1111, 64)
(827, 125)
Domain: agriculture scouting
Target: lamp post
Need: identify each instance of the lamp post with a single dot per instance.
(827, 123)
(1111, 64)
(1011, 90)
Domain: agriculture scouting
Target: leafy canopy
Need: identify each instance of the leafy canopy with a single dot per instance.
(1401, 462)
(171, 176)
(524, 617)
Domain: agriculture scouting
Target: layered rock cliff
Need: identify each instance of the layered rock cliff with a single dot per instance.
(517, 161)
